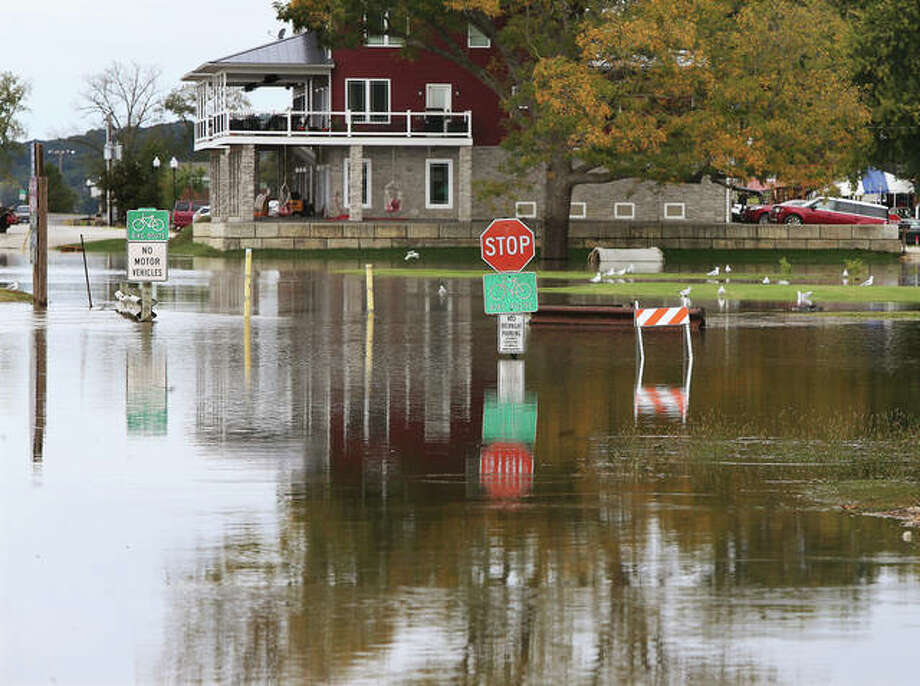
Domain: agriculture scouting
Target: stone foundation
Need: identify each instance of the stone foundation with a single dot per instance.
(582, 234)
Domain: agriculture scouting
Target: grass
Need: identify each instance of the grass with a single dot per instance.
(181, 244)
(14, 296)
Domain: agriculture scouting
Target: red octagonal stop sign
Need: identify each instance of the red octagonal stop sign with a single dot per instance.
(507, 245)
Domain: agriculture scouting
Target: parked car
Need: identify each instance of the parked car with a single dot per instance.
(183, 213)
(832, 211)
(909, 229)
(203, 211)
(23, 213)
(760, 214)
(7, 218)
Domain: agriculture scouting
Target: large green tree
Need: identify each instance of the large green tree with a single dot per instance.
(660, 89)
(887, 52)
(13, 92)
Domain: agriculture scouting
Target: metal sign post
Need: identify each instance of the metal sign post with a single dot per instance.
(148, 253)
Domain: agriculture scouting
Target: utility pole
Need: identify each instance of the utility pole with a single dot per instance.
(60, 157)
(38, 206)
(108, 153)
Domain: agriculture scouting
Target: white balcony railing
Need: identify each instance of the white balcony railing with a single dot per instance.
(328, 126)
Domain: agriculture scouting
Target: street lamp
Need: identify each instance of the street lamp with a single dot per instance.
(174, 164)
(156, 162)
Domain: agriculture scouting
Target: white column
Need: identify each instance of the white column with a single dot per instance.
(355, 174)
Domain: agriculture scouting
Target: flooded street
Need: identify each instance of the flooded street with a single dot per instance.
(327, 497)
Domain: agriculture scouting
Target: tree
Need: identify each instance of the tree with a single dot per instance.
(887, 56)
(181, 101)
(61, 197)
(13, 92)
(660, 89)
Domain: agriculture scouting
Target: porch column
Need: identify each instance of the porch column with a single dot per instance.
(220, 185)
(355, 179)
(247, 182)
(465, 184)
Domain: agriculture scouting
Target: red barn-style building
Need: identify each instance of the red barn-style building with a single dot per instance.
(369, 135)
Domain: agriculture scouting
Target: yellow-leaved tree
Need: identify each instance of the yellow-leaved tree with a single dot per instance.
(667, 90)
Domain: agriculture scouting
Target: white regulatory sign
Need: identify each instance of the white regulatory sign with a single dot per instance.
(511, 334)
(147, 261)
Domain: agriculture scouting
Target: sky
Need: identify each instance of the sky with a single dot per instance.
(55, 44)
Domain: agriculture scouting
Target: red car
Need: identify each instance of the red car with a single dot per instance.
(7, 218)
(760, 214)
(832, 211)
(183, 213)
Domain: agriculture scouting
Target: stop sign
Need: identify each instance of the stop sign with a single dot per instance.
(507, 245)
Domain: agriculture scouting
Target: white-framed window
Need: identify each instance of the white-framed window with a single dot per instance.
(439, 184)
(365, 183)
(368, 100)
(675, 210)
(525, 209)
(578, 210)
(438, 96)
(377, 26)
(476, 38)
(624, 210)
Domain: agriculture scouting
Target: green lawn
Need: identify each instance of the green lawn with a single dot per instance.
(14, 296)
(181, 244)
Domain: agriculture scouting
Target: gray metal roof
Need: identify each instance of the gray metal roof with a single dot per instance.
(301, 53)
(300, 48)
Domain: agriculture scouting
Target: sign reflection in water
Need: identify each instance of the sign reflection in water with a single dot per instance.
(146, 404)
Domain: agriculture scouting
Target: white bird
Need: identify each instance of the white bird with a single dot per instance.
(12, 286)
(714, 272)
(783, 282)
(684, 293)
(442, 290)
(803, 298)
(631, 268)
(596, 278)
(868, 282)
(766, 280)
(721, 290)
(846, 274)
(728, 269)
(411, 255)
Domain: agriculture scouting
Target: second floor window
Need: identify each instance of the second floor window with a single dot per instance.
(476, 38)
(377, 26)
(368, 100)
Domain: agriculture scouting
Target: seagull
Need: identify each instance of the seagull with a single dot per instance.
(766, 280)
(728, 269)
(803, 298)
(442, 290)
(783, 282)
(846, 274)
(631, 268)
(721, 290)
(596, 278)
(685, 293)
(714, 272)
(12, 286)
(411, 255)
(868, 282)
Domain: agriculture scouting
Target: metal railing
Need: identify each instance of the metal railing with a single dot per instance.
(332, 124)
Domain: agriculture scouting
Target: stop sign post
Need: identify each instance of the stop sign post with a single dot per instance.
(507, 245)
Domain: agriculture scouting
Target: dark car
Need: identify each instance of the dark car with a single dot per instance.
(832, 211)
(7, 218)
(909, 229)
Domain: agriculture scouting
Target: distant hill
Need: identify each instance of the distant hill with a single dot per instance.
(174, 137)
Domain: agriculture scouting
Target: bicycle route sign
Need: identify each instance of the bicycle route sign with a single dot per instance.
(148, 252)
(509, 292)
(147, 224)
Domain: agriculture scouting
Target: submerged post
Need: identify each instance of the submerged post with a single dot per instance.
(247, 284)
(369, 285)
(89, 295)
(38, 205)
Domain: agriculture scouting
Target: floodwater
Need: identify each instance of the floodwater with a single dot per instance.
(324, 497)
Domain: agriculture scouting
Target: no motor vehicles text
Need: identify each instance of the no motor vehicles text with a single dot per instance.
(506, 245)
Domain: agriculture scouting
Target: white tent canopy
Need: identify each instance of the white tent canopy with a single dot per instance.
(877, 182)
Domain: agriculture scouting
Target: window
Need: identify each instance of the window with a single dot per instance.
(578, 210)
(476, 38)
(377, 26)
(437, 96)
(369, 99)
(675, 210)
(525, 209)
(439, 193)
(365, 184)
(624, 210)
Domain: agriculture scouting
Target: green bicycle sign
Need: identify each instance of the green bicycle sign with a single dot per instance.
(509, 292)
(148, 224)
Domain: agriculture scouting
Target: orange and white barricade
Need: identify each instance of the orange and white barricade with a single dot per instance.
(668, 401)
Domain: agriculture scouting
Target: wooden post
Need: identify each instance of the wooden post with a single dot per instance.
(146, 302)
(39, 223)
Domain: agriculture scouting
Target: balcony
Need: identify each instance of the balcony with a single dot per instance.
(310, 127)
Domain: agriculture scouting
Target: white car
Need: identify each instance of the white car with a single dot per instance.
(201, 212)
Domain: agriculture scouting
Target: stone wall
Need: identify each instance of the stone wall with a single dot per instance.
(583, 234)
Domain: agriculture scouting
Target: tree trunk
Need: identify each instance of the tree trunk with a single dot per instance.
(556, 215)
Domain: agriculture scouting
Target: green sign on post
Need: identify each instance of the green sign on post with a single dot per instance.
(509, 292)
(514, 422)
(148, 224)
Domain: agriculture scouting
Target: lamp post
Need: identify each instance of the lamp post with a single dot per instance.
(174, 164)
(156, 175)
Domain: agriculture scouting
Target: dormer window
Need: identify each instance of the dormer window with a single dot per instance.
(476, 38)
(378, 25)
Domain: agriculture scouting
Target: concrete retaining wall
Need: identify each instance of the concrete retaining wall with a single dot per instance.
(583, 234)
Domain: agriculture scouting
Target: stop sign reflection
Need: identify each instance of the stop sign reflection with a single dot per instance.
(507, 245)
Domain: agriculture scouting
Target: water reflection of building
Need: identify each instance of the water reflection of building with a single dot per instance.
(354, 389)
